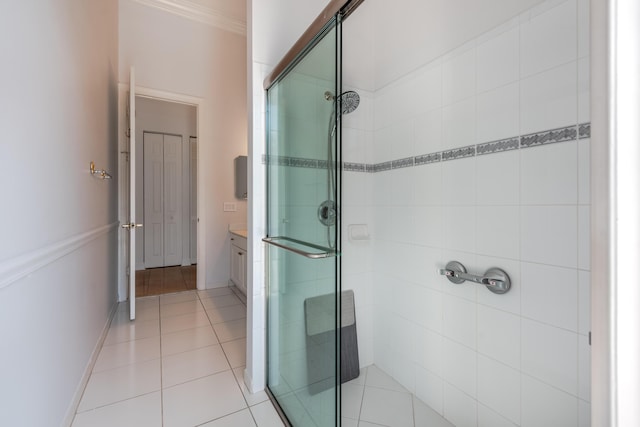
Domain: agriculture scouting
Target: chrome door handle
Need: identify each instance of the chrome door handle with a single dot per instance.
(131, 225)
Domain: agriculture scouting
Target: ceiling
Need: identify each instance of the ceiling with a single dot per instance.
(229, 15)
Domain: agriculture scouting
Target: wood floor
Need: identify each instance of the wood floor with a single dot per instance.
(157, 281)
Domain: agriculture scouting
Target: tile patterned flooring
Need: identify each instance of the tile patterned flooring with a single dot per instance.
(181, 364)
(157, 281)
(375, 399)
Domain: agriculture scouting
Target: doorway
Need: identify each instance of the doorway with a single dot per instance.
(166, 196)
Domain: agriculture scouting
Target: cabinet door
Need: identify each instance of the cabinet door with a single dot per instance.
(235, 265)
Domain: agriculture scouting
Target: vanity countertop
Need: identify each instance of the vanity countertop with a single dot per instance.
(241, 233)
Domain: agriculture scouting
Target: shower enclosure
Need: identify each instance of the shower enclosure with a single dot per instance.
(468, 148)
(303, 223)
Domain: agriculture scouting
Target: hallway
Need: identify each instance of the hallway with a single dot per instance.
(179, 364)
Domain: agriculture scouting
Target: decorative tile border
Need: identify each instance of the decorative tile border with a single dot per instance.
(549, 137)
(459, 153)
(569, 133)
(425, 159)
(584, 131)
(402, 163)
(498, 146)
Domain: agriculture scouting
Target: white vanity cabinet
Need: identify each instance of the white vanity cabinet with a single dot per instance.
(239, 261)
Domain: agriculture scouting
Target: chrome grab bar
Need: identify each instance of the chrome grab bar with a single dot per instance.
(495, 279)
(325, 252)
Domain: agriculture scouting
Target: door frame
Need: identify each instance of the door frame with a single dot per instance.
(123, 142)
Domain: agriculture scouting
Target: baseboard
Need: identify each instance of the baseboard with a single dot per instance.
(216, 285)
(77, 396)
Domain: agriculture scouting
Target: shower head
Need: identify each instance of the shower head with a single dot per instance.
(349, 100)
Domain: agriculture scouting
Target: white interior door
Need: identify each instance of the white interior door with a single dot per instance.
(131, 226)
(172, 200)
(162, 200)
(193, 203)
(153, 200)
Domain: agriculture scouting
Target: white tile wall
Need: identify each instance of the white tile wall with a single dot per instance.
(499, 388)
(459, 408)
(497, 113)
(550, 354)
(498, 60)
(478, 358)
(550, 295)
(543, 405)
(549, 174)
(548, 39)
(548, 99)
(460, 367)
(499, 335)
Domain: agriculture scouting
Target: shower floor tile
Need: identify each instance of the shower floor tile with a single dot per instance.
(375, 399)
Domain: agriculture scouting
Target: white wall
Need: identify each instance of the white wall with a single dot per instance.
(58, 255)
(176, 55)
(153, 115)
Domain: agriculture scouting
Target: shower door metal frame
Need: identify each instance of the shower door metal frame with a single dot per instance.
(308, 38)
(310, 251)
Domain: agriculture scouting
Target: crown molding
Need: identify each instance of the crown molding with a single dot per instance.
(199, 13)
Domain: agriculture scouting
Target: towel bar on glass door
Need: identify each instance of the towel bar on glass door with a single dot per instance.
(495, 279)
(325, 252)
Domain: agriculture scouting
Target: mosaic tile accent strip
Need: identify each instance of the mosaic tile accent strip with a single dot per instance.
(498, 146)
(381, 167)
(402, 163)
(569, 133)
(355, 167)
(549, 137)
(584, 131)
(459, 153)
(425, 159)
(303, 163)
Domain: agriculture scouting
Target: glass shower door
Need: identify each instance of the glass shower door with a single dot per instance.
(303, 373)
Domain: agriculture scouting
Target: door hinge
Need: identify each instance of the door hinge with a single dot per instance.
(589, 337)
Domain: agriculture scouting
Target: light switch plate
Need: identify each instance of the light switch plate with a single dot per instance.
(229, 207)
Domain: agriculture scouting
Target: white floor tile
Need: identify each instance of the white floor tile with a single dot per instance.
(424, 415)
(236, 352)
(143, 313)
(227, 314)
(387, 407)
(351, 400)
(220, 301)
(183, 322)
(230, 331)
(187, 340)
(203, 400)
(140, 411)
(378, 378)
(239, 419)
(132, 330)
(178, 297)
(216, 292)
(118, 384)
(180, 308)
(348, 422)
(126, 353)
(265, 415)
(251, 398)
(182, 367)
